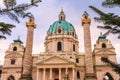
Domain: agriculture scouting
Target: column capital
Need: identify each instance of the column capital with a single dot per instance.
(31, 23)
(85, 18)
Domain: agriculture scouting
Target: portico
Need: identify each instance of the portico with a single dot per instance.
(61, 69)
(55, 73)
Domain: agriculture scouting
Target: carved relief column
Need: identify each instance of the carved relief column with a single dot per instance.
(27, 60)
(89, 68)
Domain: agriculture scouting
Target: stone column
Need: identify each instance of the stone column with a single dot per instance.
(88, 51)
(27, 60)
(50, 73)
(59, 73)
(66, 71)
(73, 73)
(44, 72)
(38, 74)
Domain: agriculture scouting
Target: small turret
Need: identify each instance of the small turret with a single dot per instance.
(16, 46)
(86, 18)
(62, 15)
(18, 40)
(85, 14)
(31, 23)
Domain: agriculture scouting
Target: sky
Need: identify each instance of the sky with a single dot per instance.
(47, 13)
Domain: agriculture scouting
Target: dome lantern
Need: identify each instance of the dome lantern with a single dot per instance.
(62, 15)
(61, 27)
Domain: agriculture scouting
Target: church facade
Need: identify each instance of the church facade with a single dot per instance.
(61, 59)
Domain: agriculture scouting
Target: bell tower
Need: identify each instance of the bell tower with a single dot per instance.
(27, 60)
(86, 21)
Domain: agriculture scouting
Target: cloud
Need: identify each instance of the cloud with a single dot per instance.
(4, 44)
(1, 4)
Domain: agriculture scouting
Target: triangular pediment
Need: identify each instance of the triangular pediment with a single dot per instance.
(55, 60)
(13, 55)
(106, 51)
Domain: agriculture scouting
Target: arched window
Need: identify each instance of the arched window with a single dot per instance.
(59, 46)
(12, 61)
(78, 75)
(15, 48)
(70, 57)
(77, 60)
(61, 18)
(108, 76)
(73, 47)
(11, 78)
(73, 33)
(103, 45)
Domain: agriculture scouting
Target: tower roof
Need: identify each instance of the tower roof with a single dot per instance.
(101, 37)
(18, 40)
(85, 13)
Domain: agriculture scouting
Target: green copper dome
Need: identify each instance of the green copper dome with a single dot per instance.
(62, 26)
(66, 26)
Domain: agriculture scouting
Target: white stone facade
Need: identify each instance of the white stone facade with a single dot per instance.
(65, 63)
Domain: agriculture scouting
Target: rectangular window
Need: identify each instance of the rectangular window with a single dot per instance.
(12, 61)
(77, 60)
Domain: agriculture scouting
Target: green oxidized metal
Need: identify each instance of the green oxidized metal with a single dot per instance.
(102, 37)
(18, 41)
(66, 26)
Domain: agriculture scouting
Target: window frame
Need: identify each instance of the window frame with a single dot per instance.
(14, 48)
(13, 61)
(103, 45)
(59, 46)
